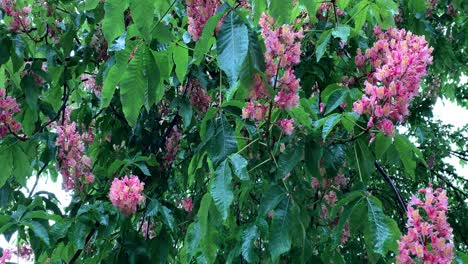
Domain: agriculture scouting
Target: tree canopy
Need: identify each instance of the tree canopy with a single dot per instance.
(224, 131)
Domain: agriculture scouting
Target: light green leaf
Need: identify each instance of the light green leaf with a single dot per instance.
(21, 165)
(233, 44)
(167, 217)
(221, 189)
(342, 4)
(280, 10)
(113, 22)
(359, 14)
(144, 22)
(181, 59)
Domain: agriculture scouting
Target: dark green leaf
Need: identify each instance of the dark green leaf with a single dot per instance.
(39, 230)
(335, 99)
(221, 189)
(322, 43)
(342, 32)
(289, 159)
(239, 164)
(233, 44)
(330, 123)
(223, 143)
(249, 236)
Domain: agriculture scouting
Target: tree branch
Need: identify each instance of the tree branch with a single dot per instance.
(401, 202)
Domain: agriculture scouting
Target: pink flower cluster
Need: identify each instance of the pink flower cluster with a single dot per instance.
(148, 229)
(330, 198)
(73, 163)
(287, 126)
(283, 51)
(199, 98)
(126, 194)
(172, 146)
(89, 82)
(20, 21)
(5, 256)
(187, 204)
(429, 238)
(399, 60)
(25, 252)
(198, 12)
(327, 8)
(8, 107)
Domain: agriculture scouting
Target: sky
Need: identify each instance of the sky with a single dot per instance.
(447, 112)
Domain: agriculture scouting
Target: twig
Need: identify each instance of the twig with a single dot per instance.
(449, 183)
(78, 252)
(401, 202)
(37, 178)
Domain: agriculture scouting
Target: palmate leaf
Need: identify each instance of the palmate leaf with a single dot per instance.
(140, 10)
(280, 237)
(233, 44)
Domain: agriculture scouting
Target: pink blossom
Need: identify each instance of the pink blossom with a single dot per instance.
(360, 59)
(20, 21)
(73, 163)
(429, 238)
(198, 12)
(330, 197)
(6, 256)
(126, 194)
(89, 82)
(172, 146)
(148, 229)
(187, 204)
(8, 107)
(254, 112)
(199, 98)
(398, 60)
(287, 126)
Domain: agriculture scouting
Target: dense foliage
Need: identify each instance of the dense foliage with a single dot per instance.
(209, 131)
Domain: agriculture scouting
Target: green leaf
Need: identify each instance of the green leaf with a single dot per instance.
(223, 143)
(289, 159)
(322, 43)
(221, 189)
(280, 237)
(39, 230)
(365, 158)
(359, 14)
(312, 8)
(405, 149)
(138, 84)
(249, 235)
(348, 198)
(312, 155)
(280, 10)
(21, 165)
(342, 4)
(382, 143)
(239, 164)
(342, 32)
(140, 10)
(6, 163)
(77, 234)
(378, 230)
(167, 217)
(271, 199)
(113, 22)
(335, 99)
(203, 44)
(181, 59)
(233, 44)
(417, 6)
(254, 61)
(31, 91)
(60, 229)
(330, 123)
